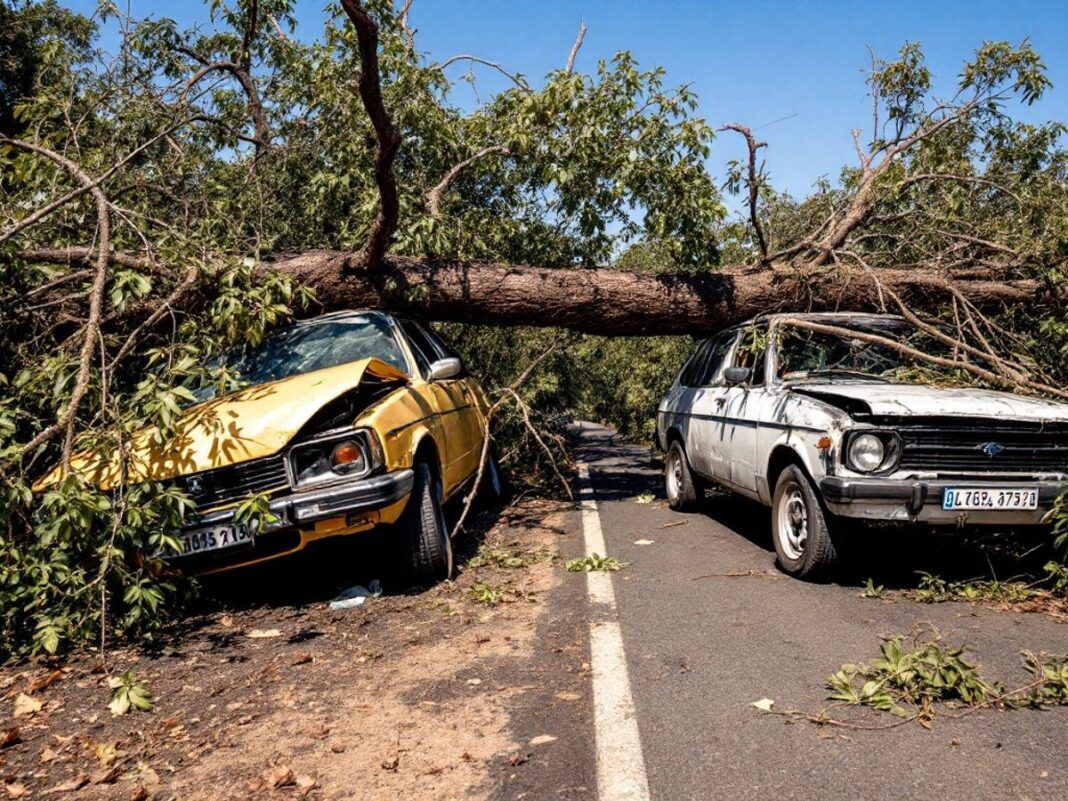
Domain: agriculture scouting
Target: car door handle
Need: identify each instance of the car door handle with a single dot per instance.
(720, 401)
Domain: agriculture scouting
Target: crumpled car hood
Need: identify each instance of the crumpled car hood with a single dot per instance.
(247, 424)
(912, 399)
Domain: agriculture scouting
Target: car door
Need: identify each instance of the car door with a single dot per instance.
(704, 446)
(743, 407)
(460, 416)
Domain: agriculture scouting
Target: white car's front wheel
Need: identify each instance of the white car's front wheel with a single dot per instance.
(801, 528)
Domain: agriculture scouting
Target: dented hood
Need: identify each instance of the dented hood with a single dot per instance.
(930, 401)
(247, 424)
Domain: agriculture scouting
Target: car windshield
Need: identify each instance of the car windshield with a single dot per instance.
(310, 346)
(805, 353)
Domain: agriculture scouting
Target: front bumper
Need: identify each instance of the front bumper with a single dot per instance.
(920, 500)
(301, 517)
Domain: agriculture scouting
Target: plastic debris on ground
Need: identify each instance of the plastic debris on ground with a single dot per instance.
(356, 595)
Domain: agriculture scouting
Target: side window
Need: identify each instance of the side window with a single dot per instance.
(421, 348)
(692, 369)
(442, 347)
(752, 351)
(715, 363)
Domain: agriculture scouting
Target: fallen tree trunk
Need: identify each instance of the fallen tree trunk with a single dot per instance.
(604, 300)
(617, 302)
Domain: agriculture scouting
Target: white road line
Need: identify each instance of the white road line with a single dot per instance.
(620, 764)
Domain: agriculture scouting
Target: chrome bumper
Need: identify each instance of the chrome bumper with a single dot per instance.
(920, 500)
(299, 508)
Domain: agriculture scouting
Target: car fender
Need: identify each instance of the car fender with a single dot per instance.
(802, 423)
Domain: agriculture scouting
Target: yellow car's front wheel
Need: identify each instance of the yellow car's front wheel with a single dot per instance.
(424, 537)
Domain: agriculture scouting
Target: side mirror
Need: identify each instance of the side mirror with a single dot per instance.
(736, 375)
(445, 368)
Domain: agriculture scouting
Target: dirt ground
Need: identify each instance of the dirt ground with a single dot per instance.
(409, 696)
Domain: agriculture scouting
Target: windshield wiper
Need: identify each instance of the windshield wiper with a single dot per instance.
(833, 371)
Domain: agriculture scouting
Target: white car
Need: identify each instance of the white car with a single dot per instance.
(828, 426)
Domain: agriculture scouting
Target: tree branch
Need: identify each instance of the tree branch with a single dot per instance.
(385, 222)
(433, 196)
(575, 49)
(752, 184)
(66, 418)
(516, 78)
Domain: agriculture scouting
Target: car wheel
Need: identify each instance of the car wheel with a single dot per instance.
(427, 549)
(683, 493)
(802, 530)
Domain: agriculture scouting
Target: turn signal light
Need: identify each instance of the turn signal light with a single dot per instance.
(824, 443)
(346, 453)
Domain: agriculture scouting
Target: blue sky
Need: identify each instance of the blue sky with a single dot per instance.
(752, 62)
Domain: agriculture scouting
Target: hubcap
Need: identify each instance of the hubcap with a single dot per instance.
(793, 523)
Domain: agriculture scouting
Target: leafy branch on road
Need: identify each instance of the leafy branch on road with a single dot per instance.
(594, 563)
(908, 682)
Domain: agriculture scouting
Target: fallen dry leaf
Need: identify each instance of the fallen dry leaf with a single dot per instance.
(517, 758)
(543, 739)
(70, 785)
(47, 754)
(262, 634)
(9, 737)
(16, 790)
(279, 776)
(41, 682)
(306, 784)
(644, 542)
(301, 659)
(140, 793)
(764, 704)
(106, 775)
(25, 705)
(391, 764)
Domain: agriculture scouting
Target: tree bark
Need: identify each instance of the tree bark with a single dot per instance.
(602, 300)
(615, 302)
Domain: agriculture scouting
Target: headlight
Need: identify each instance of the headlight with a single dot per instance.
(867, 452)
(333, 457)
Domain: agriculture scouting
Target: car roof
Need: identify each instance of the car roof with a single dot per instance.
(813, 316)
(343, 315)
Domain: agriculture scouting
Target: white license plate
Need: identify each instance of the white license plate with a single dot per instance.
(993, 498)
(214, 538)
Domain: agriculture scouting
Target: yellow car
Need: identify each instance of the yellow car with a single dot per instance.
(348, 421)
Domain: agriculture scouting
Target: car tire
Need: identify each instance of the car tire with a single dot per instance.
(803, 531)
(682, 491)
(426, 546)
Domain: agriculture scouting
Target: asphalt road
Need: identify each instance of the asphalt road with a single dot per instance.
(700, 647)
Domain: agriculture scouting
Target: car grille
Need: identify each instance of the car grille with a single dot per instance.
(985, 449)
(234, 483)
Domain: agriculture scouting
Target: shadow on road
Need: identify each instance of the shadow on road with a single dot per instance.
(323, 569)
